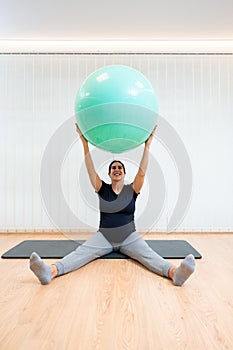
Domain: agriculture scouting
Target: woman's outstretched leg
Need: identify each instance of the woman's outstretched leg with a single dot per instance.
(136, 247)
(95, 247)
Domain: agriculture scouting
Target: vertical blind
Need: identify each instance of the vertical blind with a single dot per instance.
(37, 97)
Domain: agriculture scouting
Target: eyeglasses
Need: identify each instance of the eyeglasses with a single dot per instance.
(119, 167)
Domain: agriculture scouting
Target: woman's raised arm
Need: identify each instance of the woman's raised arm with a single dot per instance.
(93, 176)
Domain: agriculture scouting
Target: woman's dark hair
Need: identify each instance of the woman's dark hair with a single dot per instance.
(115, 161)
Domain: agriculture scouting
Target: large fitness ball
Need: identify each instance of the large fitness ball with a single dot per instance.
(116, 108)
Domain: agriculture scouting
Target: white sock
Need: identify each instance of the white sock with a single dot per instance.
(183, 272)
(40, 269)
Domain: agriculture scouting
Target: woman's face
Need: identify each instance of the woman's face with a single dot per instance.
(117, 172)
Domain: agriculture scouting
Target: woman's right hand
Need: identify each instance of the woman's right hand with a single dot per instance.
(84, 141)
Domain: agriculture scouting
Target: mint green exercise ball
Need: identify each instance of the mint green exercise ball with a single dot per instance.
(116, 108)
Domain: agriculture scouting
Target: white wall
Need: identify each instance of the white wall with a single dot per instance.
(195, 97)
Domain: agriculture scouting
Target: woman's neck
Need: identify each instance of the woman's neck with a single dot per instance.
(117, 186)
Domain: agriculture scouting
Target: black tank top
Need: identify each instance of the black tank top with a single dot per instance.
(116, 212)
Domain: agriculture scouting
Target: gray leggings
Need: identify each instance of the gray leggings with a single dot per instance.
(96, 246)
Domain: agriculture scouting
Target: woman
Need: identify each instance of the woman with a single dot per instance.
(117, 227)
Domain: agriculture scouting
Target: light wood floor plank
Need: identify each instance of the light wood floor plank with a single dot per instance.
(118, 304)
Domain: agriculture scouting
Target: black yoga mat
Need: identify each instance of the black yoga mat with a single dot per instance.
(173, 249)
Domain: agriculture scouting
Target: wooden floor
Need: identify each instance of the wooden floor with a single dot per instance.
(118, 304)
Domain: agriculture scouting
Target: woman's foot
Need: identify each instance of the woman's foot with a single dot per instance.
(180, 274)
(42, 271)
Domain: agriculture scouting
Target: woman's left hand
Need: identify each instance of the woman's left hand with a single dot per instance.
(150, 138)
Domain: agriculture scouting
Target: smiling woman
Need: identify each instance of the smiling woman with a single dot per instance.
(113, 166)
(117, 229)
